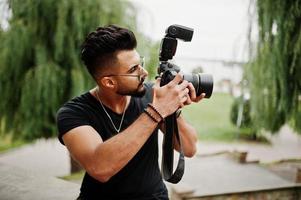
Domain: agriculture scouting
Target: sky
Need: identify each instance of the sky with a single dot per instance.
(220, 26)
(220, 31)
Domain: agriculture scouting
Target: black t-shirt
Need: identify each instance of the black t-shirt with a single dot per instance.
(141, 177)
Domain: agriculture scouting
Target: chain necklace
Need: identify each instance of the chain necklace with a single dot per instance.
(117, 130)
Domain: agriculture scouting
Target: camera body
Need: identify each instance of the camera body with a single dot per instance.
(203, 83)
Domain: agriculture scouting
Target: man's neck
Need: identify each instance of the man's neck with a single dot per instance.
(115, 102)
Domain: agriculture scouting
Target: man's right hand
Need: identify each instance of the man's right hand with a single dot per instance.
(169, 98)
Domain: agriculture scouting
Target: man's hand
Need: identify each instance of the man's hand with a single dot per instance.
(172, 96)
(192, 95)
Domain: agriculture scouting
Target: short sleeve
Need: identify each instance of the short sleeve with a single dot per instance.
(68, 118)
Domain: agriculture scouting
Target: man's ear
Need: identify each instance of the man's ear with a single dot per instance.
(108, 82)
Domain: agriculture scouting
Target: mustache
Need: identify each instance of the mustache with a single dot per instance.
(142, 80)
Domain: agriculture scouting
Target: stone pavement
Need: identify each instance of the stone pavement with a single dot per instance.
(220, 175)
(49, 158)
(20, 184)
(285, 145)
(214, 174)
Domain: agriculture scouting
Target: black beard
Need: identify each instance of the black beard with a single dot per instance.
(138, 93)
(135, 93)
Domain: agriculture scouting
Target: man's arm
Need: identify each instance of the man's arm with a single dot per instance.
(188, 136)
(187, 133)
(103, 159)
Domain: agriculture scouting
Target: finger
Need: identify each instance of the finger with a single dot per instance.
(188, 101)
(157, 83)
(183, 100)
(178, 78)
(192, 91)
(184, 95)
(181, 105)
(200, 97)
(184, 92)
(183, 85)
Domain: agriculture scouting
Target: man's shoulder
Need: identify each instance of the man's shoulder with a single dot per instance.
(77, 103)
(72, 114)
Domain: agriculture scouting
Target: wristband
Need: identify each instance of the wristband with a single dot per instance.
(151, 116)
(153, 108)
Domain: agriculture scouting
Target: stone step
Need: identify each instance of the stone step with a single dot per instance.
(221, 175)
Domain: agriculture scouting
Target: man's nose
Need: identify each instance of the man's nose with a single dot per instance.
(144, 71)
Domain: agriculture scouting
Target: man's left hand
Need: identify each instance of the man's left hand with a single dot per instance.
(192, 95)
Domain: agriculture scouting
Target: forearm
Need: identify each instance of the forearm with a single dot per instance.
(112, 155)
(188, 137)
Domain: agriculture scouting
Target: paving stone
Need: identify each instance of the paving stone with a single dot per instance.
(20, 184)
(221, 174)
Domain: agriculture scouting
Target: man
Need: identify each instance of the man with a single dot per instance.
(112, 130)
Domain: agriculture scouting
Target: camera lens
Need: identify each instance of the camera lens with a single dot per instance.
(202, 83)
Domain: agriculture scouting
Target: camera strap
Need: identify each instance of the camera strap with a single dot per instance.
(171, 130)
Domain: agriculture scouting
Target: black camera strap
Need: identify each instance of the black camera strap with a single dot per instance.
(171, 128)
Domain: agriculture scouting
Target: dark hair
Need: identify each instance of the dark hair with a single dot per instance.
(99, 46)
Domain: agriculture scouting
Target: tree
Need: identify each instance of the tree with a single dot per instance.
(150, 50)
(274, 74)
(40, 66)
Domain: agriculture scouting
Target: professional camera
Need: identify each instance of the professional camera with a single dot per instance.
(203, 83)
